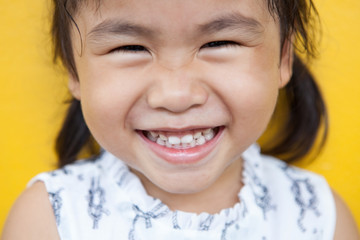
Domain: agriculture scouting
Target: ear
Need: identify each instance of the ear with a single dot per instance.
(286, 63)
(74, 86)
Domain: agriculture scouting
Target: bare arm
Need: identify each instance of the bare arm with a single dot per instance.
(31, 216)
(345, 224)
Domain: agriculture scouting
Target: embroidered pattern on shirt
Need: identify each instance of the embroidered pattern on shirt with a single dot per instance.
(261, 192)
(205, 225)
(175, 221)
(304, 195)
(227, 226)
(158, 211)
(56, 203)
(96, 201)
(244, 210)
(122, 172)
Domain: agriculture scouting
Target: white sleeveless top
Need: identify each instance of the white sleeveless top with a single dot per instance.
(103, 200)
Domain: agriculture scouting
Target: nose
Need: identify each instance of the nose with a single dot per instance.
(176, 90)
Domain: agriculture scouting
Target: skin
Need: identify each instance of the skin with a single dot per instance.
(176, 83)
(170, 69)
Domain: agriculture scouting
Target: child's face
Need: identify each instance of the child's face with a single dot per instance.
(176, 68)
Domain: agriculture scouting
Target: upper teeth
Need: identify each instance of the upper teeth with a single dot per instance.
(188, 140)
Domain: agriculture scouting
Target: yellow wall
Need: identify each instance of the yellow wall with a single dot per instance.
(32, 92)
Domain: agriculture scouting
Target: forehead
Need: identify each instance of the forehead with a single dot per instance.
(170, 12)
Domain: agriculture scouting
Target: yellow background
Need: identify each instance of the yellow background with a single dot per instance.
(32, 92)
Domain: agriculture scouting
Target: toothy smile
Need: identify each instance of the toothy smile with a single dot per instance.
(182, 140)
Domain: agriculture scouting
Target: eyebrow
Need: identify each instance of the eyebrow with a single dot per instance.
(233, 21)
(118, 27)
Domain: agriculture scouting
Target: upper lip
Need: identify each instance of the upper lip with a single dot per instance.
(190, 128)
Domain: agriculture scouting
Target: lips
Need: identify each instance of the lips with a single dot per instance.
(182, 147)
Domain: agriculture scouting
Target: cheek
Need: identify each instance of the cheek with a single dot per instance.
(249, 88)
(106, 97)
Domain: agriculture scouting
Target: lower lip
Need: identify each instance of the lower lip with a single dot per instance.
(184, 156)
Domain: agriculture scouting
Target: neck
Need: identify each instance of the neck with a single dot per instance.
(222, 194)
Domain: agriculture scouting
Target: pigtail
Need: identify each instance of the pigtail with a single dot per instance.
(74, 136)
(306, 116)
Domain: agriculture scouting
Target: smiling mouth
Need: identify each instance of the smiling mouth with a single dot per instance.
(182, 140)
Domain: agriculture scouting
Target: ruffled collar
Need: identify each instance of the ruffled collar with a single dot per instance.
(250, 196)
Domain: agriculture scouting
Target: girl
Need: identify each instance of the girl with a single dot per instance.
(176, 93)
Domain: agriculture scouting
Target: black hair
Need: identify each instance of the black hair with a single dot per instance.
(305, 117)
(305, 105)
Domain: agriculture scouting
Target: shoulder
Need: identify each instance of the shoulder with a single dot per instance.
(313, 188)
(345, 224)
(55, 201)
(31, 216)
(304, 197)
(75, 175)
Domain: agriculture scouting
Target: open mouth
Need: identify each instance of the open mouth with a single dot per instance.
(183, 146)
(182, 140)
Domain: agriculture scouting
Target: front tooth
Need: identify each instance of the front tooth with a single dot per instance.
(151, 137)
(206, 131)
(163, 137)
(185, 145)
(208, 136)
(197, 135)
(187, 139)
(177, 146)
(201, 140)
(174, 140)
(160, 142)
(168, 144)
(154, 134)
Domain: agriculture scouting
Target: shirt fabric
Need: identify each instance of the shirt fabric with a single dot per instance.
(102, 199)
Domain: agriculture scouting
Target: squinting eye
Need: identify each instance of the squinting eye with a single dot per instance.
(217, 44)
(129, 48)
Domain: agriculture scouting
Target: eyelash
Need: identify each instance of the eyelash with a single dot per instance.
(139, 48)
(129, 48)
(218, 44)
